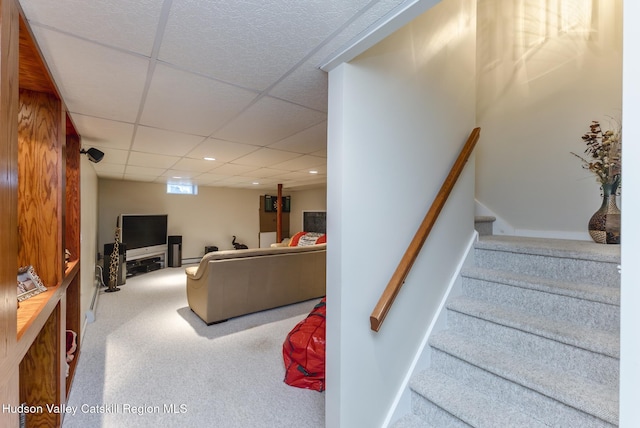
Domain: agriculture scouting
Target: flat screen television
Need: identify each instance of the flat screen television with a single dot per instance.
(143, 234)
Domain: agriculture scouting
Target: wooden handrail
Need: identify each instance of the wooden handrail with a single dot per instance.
(395, 283)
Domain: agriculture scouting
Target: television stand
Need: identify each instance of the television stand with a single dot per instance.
(144, 264)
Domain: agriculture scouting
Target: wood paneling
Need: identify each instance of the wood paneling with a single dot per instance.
(72, 185)
(39, 185)
(34, 75)
(39, 211)
(40, 375)
(9, 29)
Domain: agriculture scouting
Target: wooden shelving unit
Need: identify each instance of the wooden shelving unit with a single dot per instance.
(39, 219)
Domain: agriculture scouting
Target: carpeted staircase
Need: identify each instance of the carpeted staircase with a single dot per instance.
(531, 341)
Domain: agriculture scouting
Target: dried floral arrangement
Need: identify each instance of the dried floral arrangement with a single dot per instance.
(603, 153)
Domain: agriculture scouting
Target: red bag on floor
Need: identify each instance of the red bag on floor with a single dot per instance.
(304, 351)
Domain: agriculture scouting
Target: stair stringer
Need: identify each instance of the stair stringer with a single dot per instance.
(401, 405)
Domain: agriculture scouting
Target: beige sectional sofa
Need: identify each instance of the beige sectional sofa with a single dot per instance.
(231, 283)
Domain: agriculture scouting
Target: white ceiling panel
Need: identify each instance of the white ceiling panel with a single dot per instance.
(266, 157)
(143, 171)
(121, 23)
(306, 141)
(158, 85)
(263, 173)
(94, 80)
(102, 132)
(231, 169)
(249, 43)
(186, 102)
(208, 178)
(221, 150)
(110, 169)
(306, 86)
(153, 140)
(304, 162)
(272, 120)
(196, 165)
(152, 160)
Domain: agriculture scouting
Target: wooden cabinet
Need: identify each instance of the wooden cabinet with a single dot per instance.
(39, 219)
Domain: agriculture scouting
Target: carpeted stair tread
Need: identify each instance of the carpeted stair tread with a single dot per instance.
(582, 250)
(594, 293)
(470, 406)
(601, 342)
(411, 421)
(580, 393)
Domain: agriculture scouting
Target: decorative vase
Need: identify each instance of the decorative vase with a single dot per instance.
(604, 225)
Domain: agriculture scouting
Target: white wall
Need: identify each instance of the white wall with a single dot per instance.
(535, 103)
(88, 234)
(398, 115)
(211, 217)
(630, 316)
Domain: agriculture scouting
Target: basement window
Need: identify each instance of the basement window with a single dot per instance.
(181, 188)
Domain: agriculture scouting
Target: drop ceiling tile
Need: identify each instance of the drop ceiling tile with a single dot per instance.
(144, 171)
(220, 150)
(266, 157)
(250, 43)
(307, 86)
(152, 160)
(154, 140)
(178, 174)
(294, 176)
(232, 169)
(306, 141)
(271, 120)
(110, 169)
(102, 132)
(263, 173)
(321, 153)
(94, 80)
(304, 162)
(208, 178)
(120, 23)
(187, 102)
(196, 165)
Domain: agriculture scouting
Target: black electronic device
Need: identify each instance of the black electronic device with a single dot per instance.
(175, 251)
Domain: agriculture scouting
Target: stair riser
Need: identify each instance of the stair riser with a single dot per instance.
(587, 271)
(433, 414)
(531, 402)
(563, 308)
(484, 228)
(597, 367)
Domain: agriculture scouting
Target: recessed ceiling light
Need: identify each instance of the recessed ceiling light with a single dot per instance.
(178, 178)
(313, 172)
(210, 159)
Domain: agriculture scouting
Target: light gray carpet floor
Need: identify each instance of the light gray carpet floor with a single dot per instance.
(149, 361)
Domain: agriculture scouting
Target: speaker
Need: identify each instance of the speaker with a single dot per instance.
(122, 263)
(175, 250)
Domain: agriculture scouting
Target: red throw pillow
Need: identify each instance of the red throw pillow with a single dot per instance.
(296, 238)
